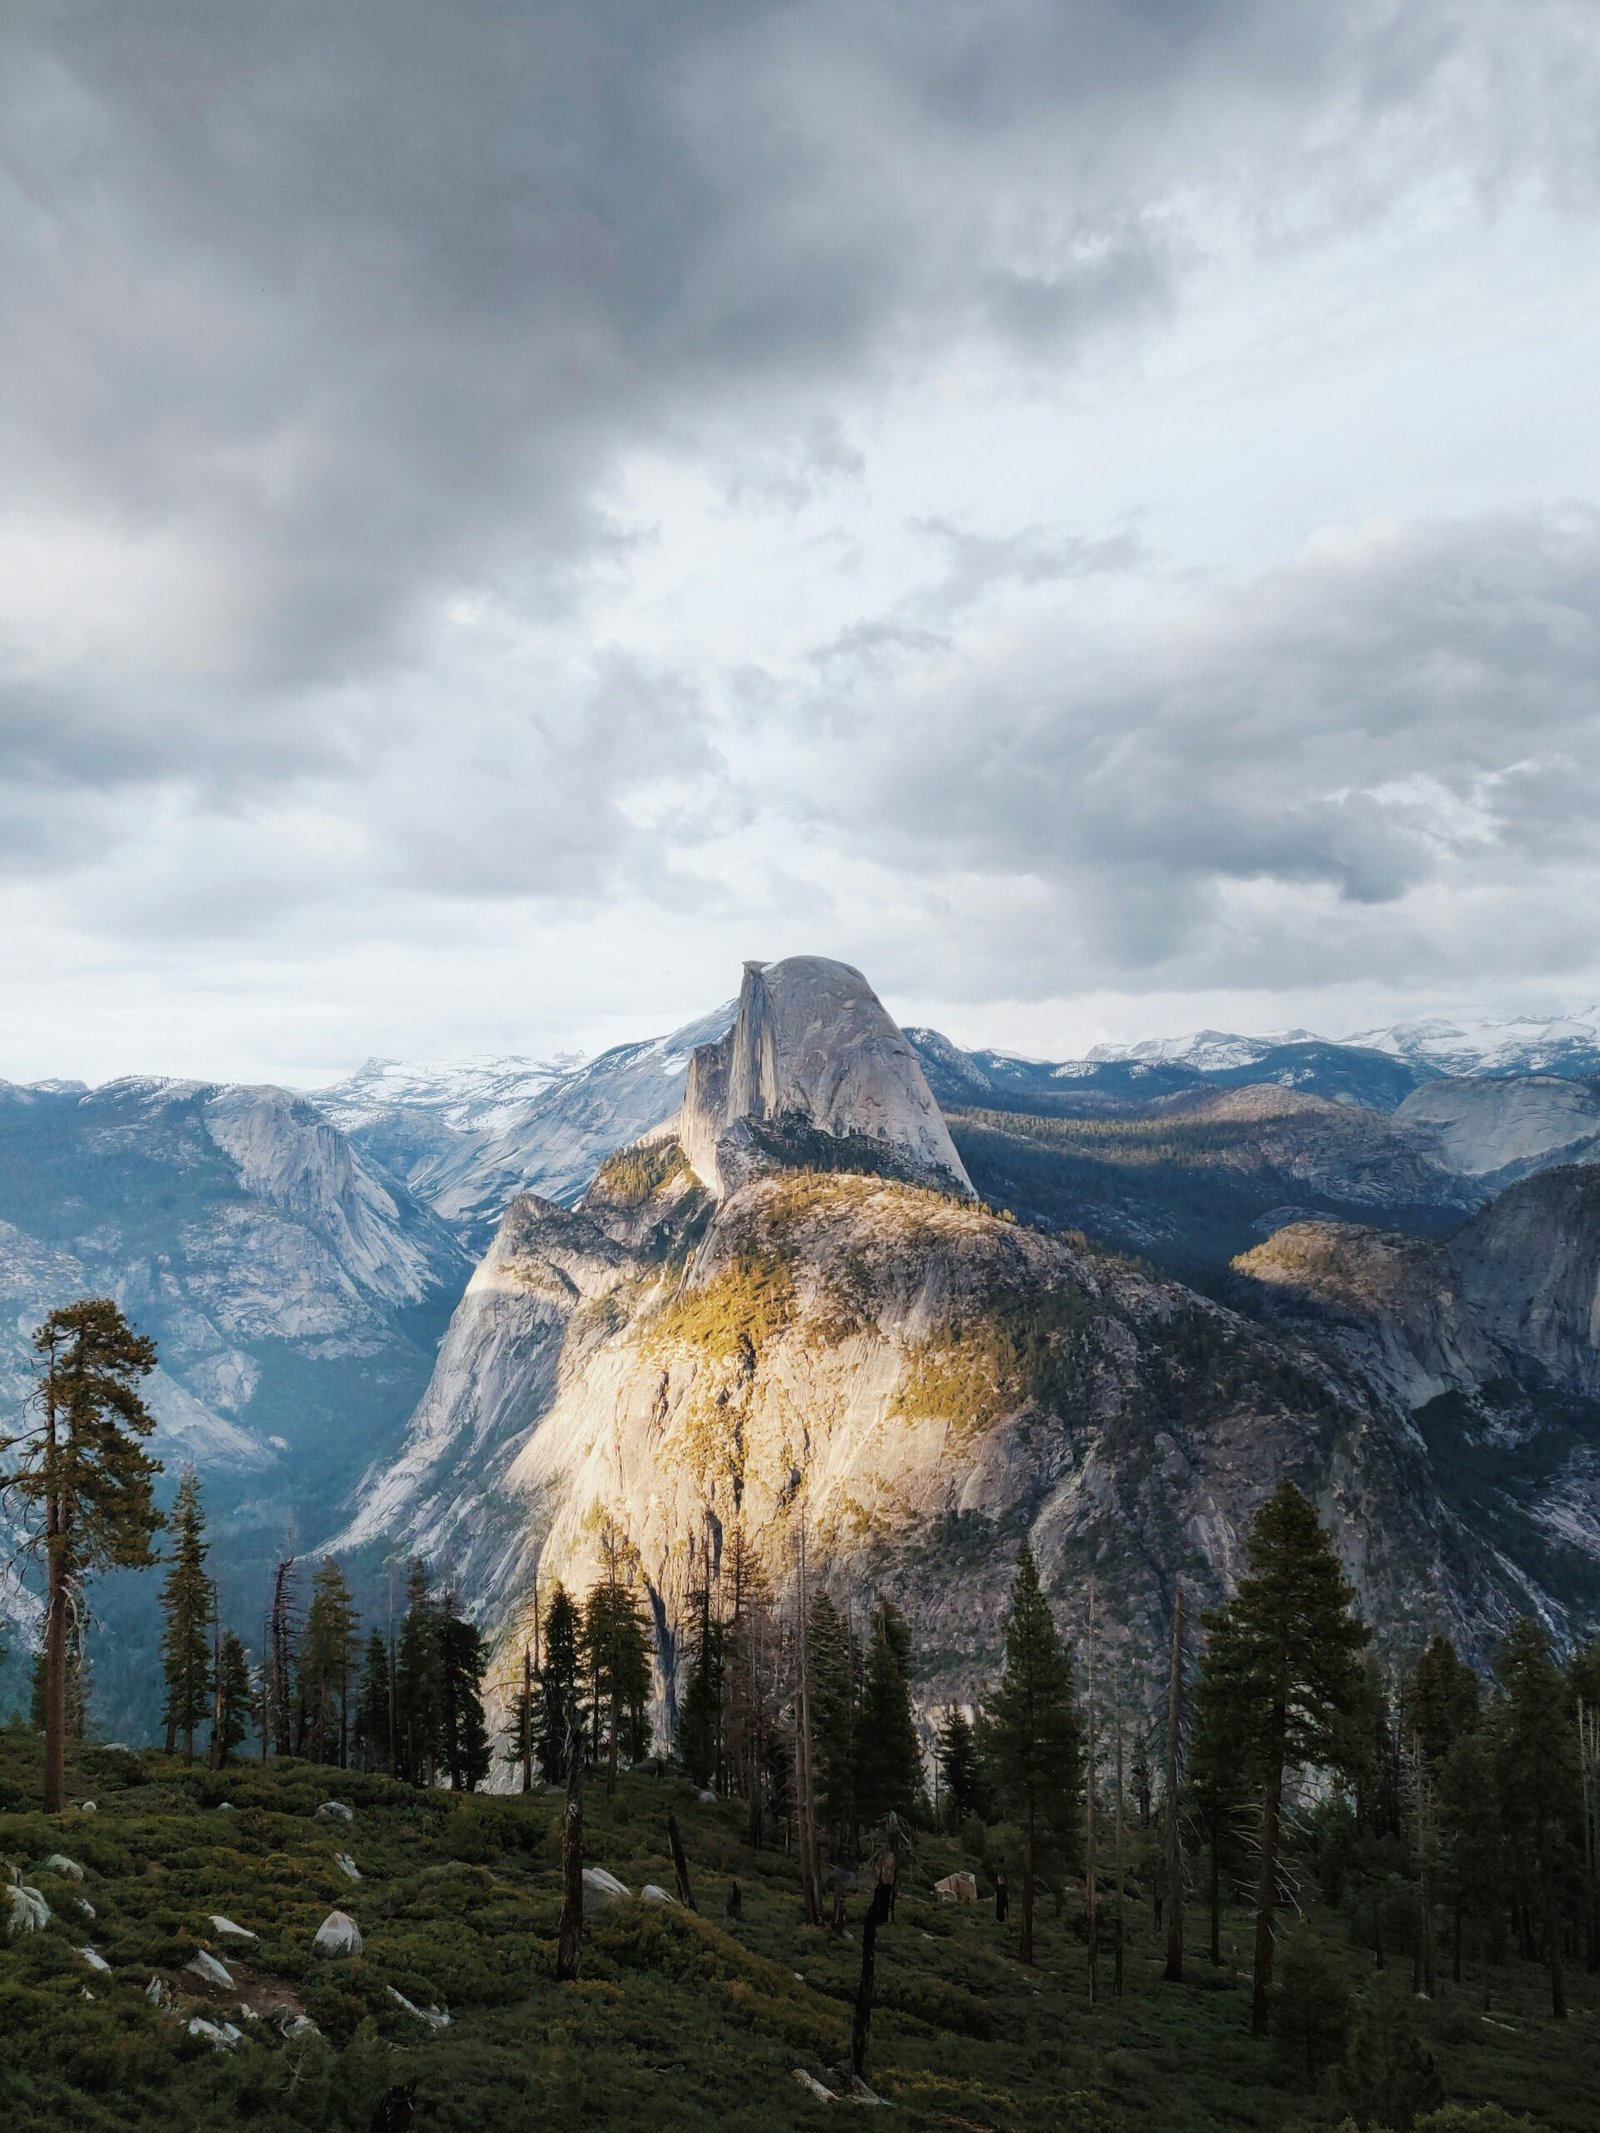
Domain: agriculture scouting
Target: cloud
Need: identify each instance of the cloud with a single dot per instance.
(1404, 712)
(333, 599)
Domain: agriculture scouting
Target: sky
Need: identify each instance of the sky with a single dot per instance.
(1088, 512)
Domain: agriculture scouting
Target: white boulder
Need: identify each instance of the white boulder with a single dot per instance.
(94, 1958)
(347, 1866)
(957, 1888)
(223, 2036)
(338, 1934)
(29, 1912)
(205, 1965)
(335, 1811)
(59, 1863)
(650, 1893)
(435, 2017)
(225, 1929)
(600, 1889)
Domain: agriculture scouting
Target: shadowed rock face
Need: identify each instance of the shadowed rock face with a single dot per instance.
(1530, 1270)
(812, 1051)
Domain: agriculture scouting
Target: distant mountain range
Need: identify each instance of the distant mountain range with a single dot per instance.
(465, 1137)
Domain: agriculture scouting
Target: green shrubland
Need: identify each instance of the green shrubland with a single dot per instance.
(676, 2020)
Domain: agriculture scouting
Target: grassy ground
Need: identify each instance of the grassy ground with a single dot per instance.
(677, 2021)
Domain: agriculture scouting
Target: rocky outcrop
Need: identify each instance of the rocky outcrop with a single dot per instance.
(813, 1053)
(1395, 1302)
(1514, 1294)
(1529, 1268)
(1502, 1129)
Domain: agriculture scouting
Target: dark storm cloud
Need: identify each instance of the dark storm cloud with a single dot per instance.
(358, 304)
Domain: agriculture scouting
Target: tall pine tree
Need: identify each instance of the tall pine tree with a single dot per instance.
(959, 1776)
(466, 1754)
(329, 1650)
(82, 1480)
(419, 1682)
(559, 1721)
(373, 1706)
(234, 1700)
(1279, 1671)
(1029, 1733)
(888, 1759)
(1536, 1758)
(188, 1611)
(616, 1653)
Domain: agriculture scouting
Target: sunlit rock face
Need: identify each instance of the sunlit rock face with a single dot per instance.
(813, 1052)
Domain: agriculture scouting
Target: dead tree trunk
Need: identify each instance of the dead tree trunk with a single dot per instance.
(570, 1944)
(879, 1912)
(680, 1865)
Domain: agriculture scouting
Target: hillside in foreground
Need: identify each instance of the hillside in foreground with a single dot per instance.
(676, 2021)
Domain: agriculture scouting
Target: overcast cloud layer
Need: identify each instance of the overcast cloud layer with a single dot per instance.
(1088, 512)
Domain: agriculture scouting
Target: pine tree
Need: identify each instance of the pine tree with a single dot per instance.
(1029, 1733)
(1279, 1670)
(235, 1700)
(560, 1718)
(1441, 1699)
(750, 1681)
(888, 1759)
(1310, 2005)
(1472, 1846)
(833, 1661)
(466, 1755)
(372, 1706)
(1388, 2074)
(522, 1732)
(1536, 1760)
(419, 1682)
(83, 1480)
(329, 1649)
(616, 1653)
(957, 1756)
(188, 1610)
(700, 1715)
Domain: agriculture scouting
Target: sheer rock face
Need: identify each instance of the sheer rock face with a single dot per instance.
(812, 1050)
(1501, 1129)
(1530, 1269)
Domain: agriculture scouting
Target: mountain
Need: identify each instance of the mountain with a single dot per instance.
(1491, 1339)
(1497, 1130)
(812, 1065)
(295, 1294)
(465, 1139)
(1487, 1044)
(1109, 1080)
(1189, 1181)
(796, 1337)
